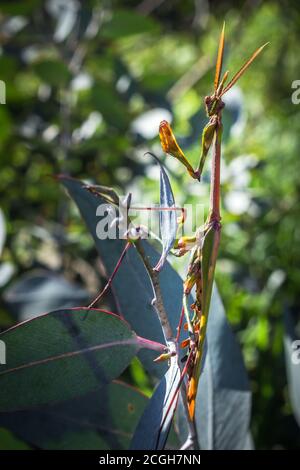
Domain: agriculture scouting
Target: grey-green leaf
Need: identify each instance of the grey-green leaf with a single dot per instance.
(155, 423)
(167, 218)
(223, 404)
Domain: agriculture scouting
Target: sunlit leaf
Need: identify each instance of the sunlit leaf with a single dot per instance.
(167, 219)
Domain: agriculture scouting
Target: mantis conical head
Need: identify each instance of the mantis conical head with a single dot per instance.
(214, 103)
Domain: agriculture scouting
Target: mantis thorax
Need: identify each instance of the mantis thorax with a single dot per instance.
(213, 105)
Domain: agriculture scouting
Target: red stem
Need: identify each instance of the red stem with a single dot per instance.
(149, 344)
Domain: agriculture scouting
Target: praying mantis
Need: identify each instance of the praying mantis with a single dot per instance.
(203, 246)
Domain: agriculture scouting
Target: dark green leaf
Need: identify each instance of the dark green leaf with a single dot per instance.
(127, 23)
(106, 100)
(14, 7)
(92, 421)
(61, 355)
(52, 71)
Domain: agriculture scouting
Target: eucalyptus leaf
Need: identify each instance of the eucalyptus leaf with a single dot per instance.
(223, 403)
(167, 219)
(131, 286)
(92, 421)
(61, 355)
(155, 423)
(127, 23)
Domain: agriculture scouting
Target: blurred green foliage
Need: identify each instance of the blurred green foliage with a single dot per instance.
(86, 85)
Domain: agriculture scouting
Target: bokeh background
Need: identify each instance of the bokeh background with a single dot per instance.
(86, 86)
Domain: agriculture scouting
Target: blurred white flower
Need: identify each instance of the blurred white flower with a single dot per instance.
(88, 128)
(237, 202)
(147, 123)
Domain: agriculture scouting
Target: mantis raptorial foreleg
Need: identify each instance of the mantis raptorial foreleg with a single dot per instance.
(207, 139)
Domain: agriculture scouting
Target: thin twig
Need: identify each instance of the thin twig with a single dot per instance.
(110, 280)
